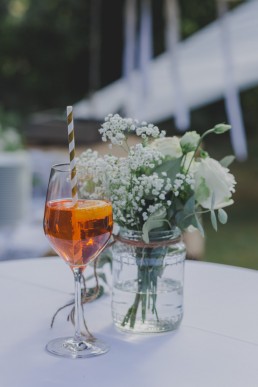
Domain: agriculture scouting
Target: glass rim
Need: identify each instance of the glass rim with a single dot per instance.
(58, 167)
(131, 234)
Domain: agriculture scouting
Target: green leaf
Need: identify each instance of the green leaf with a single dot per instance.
(170, 212)
(212, 200)
(184, 221)
(172, 167)
(180, 217)
(155, 220)
(190, 205)
(199, 225)
(214, 220)
(186, 214)
(222, 216)
(178, 205)
(226, 161)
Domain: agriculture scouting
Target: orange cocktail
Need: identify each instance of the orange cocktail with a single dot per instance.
(78, 232)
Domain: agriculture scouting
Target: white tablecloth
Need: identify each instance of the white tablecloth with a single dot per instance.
(216, 345)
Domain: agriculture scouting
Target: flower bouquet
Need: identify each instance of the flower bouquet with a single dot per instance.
(160, 187)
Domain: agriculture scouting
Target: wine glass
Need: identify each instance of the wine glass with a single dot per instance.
(78, 231)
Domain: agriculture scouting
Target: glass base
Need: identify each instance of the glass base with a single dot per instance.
(155, 311)
(149, 326)
(70, 348)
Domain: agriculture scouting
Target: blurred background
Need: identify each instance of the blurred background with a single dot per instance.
(181, 64)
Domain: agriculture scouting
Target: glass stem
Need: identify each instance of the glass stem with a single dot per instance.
(78, 303)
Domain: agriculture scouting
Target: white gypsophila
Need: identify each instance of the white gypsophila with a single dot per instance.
(183, 183)
(144, 157)
(213, 183)
(168, 146)
(149, 130)
(115, 128)
(190, 141)
(93, 173)
(87, 166)
(135, 198)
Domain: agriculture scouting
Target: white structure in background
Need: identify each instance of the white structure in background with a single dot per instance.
(15, 193)
(21, 227)
(172, 40)
(231, 92)
(202, 71)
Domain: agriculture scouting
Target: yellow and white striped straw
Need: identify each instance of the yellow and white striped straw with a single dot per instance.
(71, 141)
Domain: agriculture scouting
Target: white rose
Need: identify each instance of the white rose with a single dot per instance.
(189, 141)
(213, 180)
(189, 163)
(168, 146)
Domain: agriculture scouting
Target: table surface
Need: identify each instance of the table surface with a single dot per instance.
(216, 345)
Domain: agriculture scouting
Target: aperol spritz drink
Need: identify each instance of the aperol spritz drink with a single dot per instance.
(78, 231)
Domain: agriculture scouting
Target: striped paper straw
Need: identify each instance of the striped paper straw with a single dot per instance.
(69, 110)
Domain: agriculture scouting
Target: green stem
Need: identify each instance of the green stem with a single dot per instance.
(198, 145)
(132, 311)
(147, 278)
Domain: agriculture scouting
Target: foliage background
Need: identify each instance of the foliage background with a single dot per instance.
(46, 53)
(45, 47)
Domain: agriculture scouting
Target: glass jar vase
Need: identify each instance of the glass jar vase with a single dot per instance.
(148, 281)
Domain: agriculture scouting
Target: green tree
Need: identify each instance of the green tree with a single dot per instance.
(44, 54)
(46, 51)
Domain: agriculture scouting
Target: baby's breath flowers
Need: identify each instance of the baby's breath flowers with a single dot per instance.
(161, 180)
(161, 183)
(116, 130)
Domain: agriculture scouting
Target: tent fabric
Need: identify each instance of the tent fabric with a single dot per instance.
(172, 39)
(201, 70)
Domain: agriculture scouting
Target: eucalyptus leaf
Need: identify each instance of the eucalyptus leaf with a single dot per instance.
(214, 220)
(180, 216)
(155, 220)
(172, 167)
(212, 200)
(184, 220)
(190, 205)
(186, 215)
(170, 212)
(199, 225)
(226, 161)
(178, 205)
(222, 216)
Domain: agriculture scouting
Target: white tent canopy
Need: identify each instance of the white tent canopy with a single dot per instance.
(201, 69)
